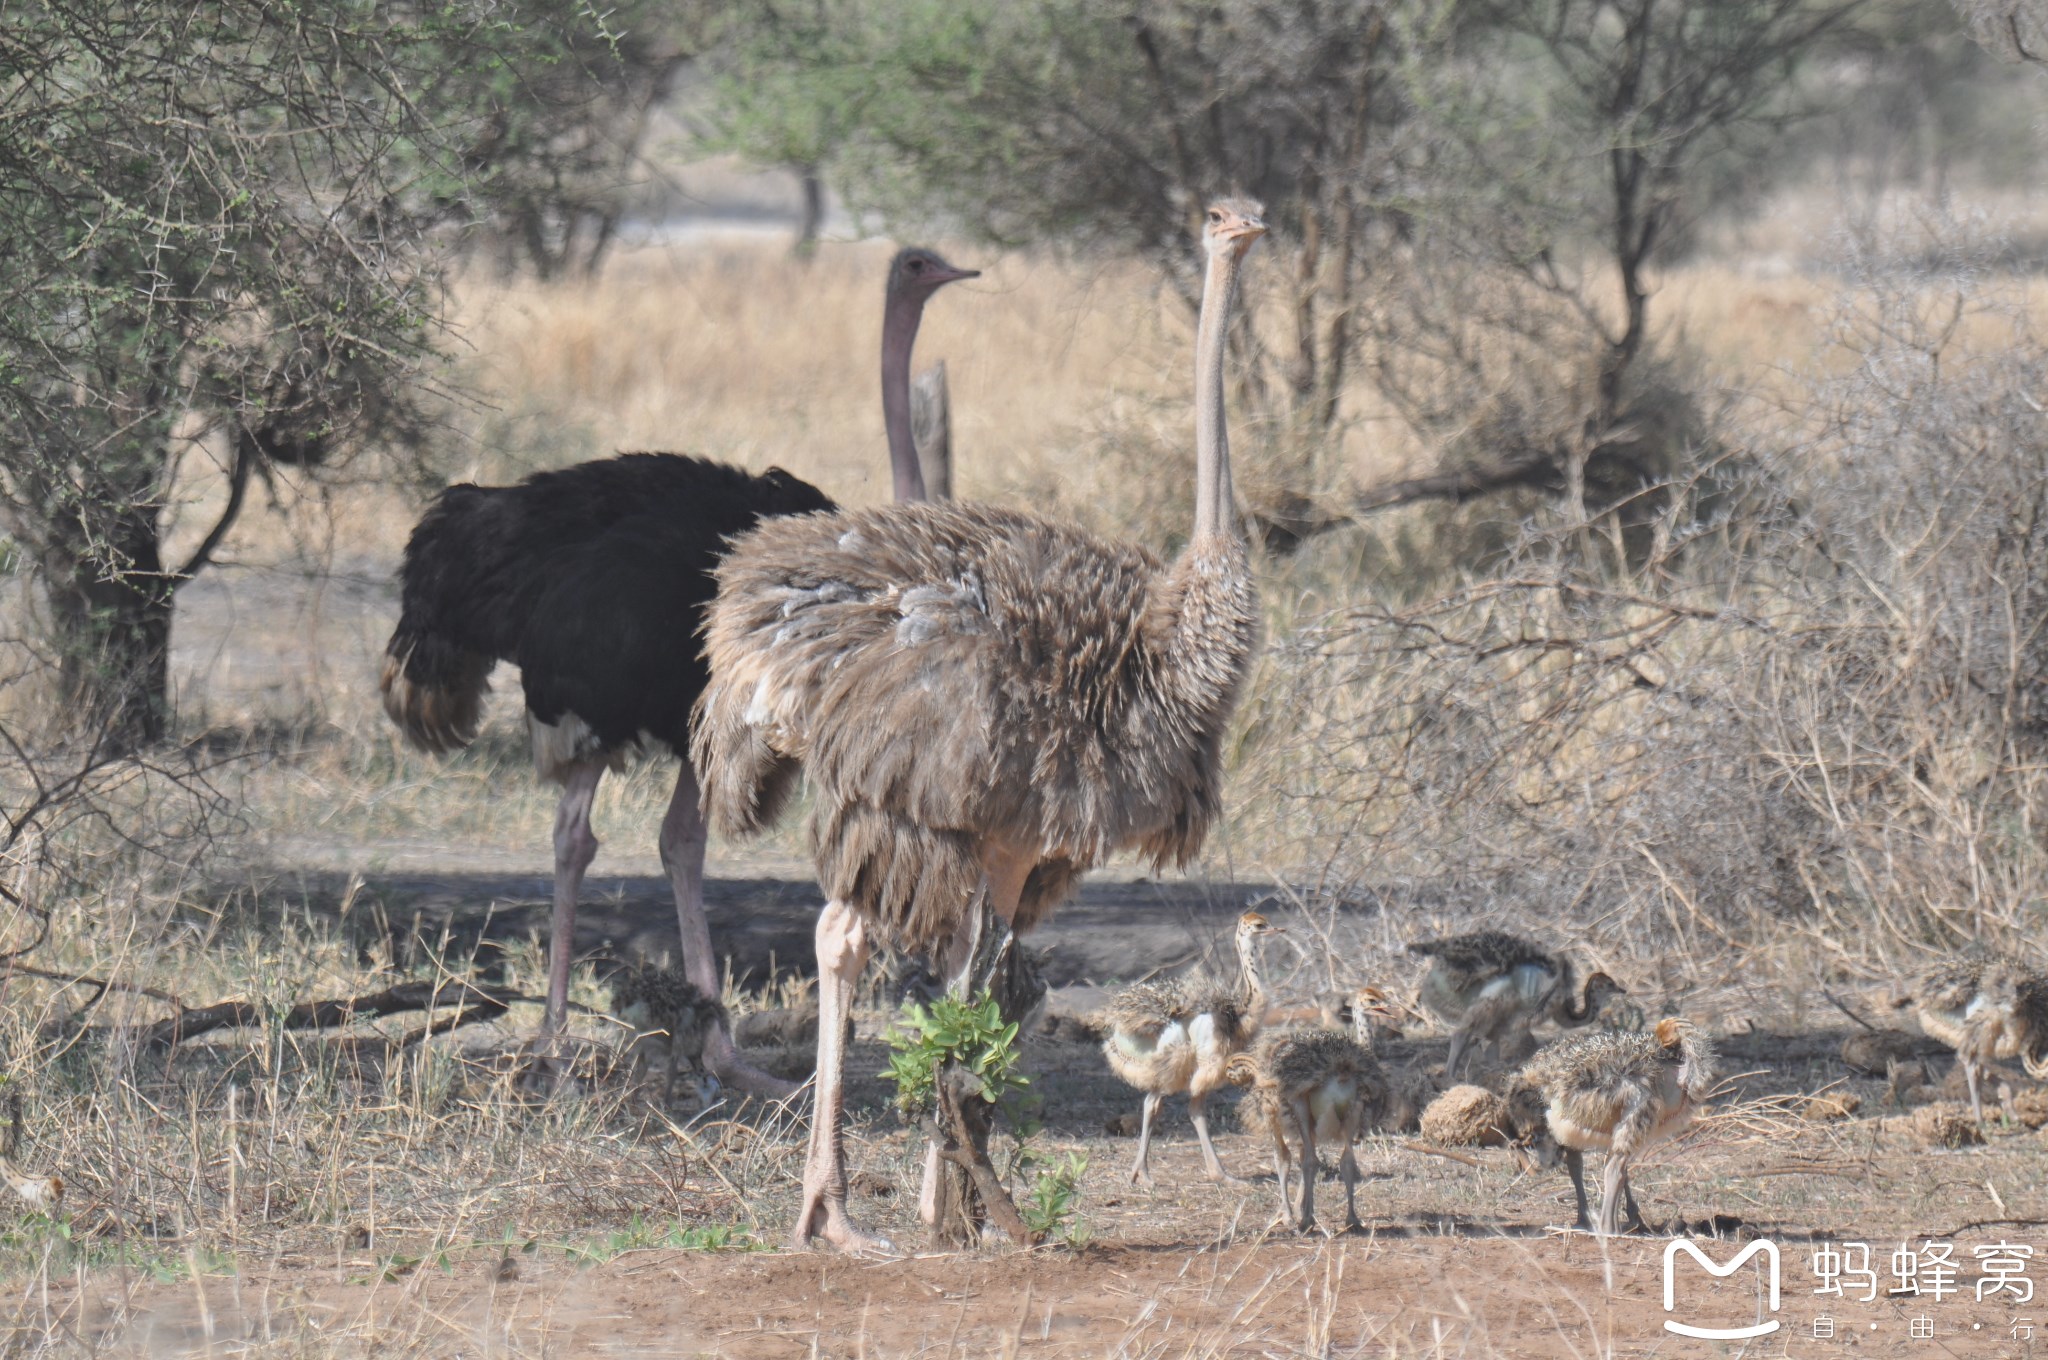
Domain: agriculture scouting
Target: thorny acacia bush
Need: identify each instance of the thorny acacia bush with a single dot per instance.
(1810, 693)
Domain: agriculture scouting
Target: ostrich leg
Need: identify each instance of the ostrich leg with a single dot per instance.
(1628, 1199)
(575, 847)
(1347, 1171)
(842, 952)
(1306, 1118)
(682, 855)
(1280, 1182)
(1198, 1113)
(1141, 1169)
(1575, 1163)
(1613, 1177)
(1461, 1037)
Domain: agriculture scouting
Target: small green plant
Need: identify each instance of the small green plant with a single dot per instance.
(972, 1034)
(1049, 1209)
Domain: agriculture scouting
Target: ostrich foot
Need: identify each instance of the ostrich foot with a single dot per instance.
(545, 1065)
(724, 1062)
(823, 1218)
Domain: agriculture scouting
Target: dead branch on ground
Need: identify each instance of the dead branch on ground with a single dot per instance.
(484, 1002)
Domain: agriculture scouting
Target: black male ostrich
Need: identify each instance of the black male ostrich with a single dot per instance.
(593, 579)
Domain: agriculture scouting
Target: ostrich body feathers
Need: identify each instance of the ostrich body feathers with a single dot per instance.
(1621, 1090)
(1985, 1005)
(593, 579)
(1485, 964)
(954, 677)
(1343, 1085)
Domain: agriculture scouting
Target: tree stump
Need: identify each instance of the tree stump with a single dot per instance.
(931, 430)
(966, 1192)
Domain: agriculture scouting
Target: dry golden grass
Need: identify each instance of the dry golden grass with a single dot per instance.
(738, 351)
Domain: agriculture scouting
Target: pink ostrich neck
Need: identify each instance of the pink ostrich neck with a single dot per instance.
(900, 318)
(1215, 510)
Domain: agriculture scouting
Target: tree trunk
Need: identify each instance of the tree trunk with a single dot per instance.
(931, 430)
(111, 618)
(957, 1213)
(813, 218)
(967, 1192)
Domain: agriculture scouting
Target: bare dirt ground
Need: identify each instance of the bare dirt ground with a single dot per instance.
(1387, 1296)
(1392, 1293)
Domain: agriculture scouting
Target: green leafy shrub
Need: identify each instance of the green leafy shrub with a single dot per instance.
(972, 1034)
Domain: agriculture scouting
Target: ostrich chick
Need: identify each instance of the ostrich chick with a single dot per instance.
(1620, 1092)
(1179, 1035)
(1490, 984)
(666, 1009)
(1316, 1085)
(1986, 1006)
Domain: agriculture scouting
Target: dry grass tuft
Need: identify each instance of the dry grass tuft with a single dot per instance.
(1467, 1116)
(1945, 1124)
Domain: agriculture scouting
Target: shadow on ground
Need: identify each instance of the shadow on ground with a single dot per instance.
(1114, 930)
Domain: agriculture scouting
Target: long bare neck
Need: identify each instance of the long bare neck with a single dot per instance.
(1574, 1003)
(1215, 509)
(900, 318)
(1249, 981)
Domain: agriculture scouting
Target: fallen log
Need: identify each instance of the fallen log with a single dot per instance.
(479, 1003)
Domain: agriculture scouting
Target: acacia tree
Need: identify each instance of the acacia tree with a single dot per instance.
(1064, 120)
(561, 122)
(218, 257)
(1433, 169)
(1576, 172)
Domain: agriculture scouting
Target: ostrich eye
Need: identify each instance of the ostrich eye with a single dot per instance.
(916, 266)
(1215, 215)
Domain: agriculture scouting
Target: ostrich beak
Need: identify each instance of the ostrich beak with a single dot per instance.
(951, 274)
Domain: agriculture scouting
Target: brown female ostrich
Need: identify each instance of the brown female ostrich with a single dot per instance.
(593, 579)
(983, 700)
(1178, 1035)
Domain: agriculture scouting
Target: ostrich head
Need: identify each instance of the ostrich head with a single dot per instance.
(916, 273)
(1592, 998)
(1374, 1006)
(1232, 224)
(1600, 989)
(1252, 925)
